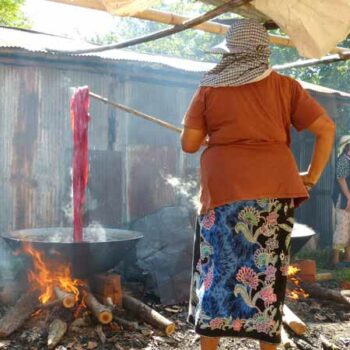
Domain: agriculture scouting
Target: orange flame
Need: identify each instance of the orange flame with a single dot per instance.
(297, 292)
(47, 274)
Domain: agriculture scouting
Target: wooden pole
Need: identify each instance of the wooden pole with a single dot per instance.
(171, 18)
(313, 62)
(136, 113)
(162, 33)
(148, 314)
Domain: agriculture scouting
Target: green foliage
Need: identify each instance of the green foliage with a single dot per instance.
(342, 275)
(11, 14)
(194, 44)
(321, 256)
(191, 44)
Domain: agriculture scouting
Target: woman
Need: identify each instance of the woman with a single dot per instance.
(250, 185)
(341, 198)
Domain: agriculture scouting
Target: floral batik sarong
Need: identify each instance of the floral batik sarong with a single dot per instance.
(240, 268)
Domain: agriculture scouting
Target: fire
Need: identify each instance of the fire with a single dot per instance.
(297, 292)
(47, 274)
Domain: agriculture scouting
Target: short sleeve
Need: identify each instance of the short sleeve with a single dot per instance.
(343, 168)
(305, 110)
(194, 117)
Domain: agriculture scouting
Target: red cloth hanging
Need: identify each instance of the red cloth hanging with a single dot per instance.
(79, 118)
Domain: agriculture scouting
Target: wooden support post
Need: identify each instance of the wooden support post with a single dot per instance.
(148, 314)
(67, 299)
(101, 312)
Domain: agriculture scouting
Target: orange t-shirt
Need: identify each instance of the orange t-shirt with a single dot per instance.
(248, 154)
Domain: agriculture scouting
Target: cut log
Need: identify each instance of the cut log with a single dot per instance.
(101, 312)
(287, 342)
(291, 320)
(148, 314)
(18, 314)
(57, 330)
(67, 299)
(317, 291)
(131, 326)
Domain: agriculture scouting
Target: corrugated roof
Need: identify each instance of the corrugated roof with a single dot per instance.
(40, 42)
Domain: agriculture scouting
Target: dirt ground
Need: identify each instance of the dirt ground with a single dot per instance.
(325, 319)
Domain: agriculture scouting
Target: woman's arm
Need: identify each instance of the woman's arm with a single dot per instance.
(324, 130)
(192, 139)
(345, 189)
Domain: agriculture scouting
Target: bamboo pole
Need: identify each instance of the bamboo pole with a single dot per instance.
(136, 113)
(190, 23)
(312, 62)
(173, 19)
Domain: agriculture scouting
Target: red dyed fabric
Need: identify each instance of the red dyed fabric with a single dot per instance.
(80, 118)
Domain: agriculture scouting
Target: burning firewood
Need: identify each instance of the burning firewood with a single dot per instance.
(57, 330)
(316, 290)
(291, 320)
(101, 312)
(18, 314)
(67, 299)
(148, 314)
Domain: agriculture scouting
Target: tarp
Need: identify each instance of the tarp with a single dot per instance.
(128, 7)
(314, 26)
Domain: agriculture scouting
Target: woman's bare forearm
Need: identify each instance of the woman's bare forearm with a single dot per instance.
(324, 131)
(322, 151)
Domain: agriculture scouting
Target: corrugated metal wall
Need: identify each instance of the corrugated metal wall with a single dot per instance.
(129, 158)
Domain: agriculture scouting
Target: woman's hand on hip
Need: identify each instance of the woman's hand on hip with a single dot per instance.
(308, 182)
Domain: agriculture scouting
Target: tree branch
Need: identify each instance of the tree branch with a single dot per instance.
(162, 33)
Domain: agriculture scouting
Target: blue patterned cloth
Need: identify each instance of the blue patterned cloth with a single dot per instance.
(240, 269)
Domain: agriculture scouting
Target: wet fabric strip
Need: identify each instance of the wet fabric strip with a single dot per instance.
(240, 269)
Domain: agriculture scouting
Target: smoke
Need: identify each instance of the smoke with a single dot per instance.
(186, 190)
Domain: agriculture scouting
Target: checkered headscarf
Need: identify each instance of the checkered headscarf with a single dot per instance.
(245, 52)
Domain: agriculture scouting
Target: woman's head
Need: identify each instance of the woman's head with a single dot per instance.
(244, 36)
(245, 53)
(344, 145)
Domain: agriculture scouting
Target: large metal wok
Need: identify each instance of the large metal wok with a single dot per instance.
(101, 250)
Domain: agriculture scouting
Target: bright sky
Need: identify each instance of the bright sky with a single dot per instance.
(76, 22)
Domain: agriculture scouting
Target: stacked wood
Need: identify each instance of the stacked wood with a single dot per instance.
(100, 311)
(148, 314)
(291, 320)
(57, 330)
(67, 299)
(19, 313)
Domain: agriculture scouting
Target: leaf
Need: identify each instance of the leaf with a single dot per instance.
(286, 227)
(242, 291)
(241, 227)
